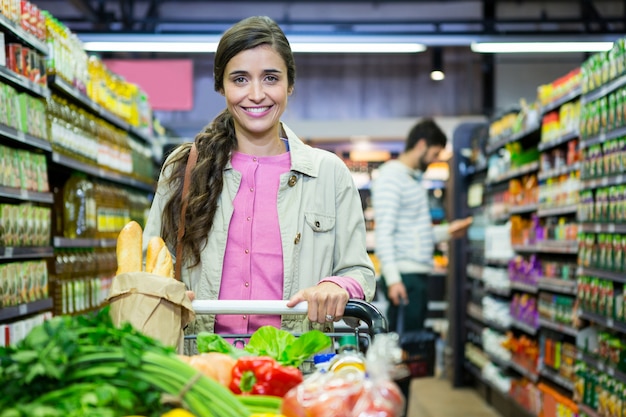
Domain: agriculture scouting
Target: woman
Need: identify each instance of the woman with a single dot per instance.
(268, 217)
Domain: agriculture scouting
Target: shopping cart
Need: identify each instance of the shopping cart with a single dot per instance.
(369, 320)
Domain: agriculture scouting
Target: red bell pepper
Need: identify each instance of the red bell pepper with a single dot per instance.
(262, 375)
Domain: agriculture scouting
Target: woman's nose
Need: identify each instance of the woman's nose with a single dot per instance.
(257, 92)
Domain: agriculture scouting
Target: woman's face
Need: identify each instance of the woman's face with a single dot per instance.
(256, 91)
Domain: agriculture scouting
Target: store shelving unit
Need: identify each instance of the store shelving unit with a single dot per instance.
(14, 139)
(564, 251)
(59, 166)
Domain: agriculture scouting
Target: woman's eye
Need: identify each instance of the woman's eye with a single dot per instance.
(239, 80)
(271, 78)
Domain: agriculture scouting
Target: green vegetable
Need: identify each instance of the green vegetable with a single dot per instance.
(261, 403)
(279, 344)
(85, 366)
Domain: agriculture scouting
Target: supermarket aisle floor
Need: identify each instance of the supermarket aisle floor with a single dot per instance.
(435, 397)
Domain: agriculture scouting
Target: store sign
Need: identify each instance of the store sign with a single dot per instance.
(167, 82)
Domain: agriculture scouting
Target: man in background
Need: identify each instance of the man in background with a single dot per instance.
(404, 232)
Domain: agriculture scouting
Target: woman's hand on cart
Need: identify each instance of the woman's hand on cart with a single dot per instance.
(326, 302)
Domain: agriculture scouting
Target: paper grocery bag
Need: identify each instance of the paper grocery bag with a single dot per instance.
(154, 305)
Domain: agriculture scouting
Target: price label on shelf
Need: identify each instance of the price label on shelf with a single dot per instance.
(22, 309)
(611, 228)
(8, 252)
(24, 194)
(619, 179)
(604, 182)
(609, 322)
(610, 371)
(21, 136)
(597, 228)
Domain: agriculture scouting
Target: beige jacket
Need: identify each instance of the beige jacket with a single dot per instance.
(321, 222)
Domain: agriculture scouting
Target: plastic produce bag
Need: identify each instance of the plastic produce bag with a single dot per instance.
(380, 396)
(370, 394)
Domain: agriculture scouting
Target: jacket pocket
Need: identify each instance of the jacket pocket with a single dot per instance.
(319, 222)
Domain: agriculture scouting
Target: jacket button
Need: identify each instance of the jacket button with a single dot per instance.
(297, 239)
(317, 224)
(292, 180)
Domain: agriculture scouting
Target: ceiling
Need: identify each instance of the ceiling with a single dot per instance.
(443, 22)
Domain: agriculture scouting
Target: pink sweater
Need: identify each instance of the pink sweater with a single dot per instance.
(253, 262)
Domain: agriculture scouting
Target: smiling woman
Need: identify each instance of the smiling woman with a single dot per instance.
(267, 217)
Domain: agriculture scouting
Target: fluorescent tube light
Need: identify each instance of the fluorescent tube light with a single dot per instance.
(178, 47)
(206, 47)
(358, 47)
(538, 47)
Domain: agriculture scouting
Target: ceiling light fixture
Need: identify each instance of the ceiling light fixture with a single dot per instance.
(538, 47)
(436, 73)
(208, 44)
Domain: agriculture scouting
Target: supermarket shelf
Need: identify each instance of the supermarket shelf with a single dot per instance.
(558, 285)
(533, 376)
(554, 376)
(502, 363)
(19, 136)
(561, 328)
(600, 273)
(497, 262)
(526, 328)
(26, 195)
(8, 313)
(590, 412)
(100, 172)
(62, 242)
(557, 211)
(602, 366)
(603, 90)
(603, 228)
(23, 83)
(573, 94)
(520, 286)
(556, 172)
(475, 327)
(503, 292)
(607, 322)
(604, 181)
(61, 85)
(566, 137)
(473, 369)
(476, 169)
(526, 208)
(23, 35)
(499, 143)
(602, 137)
(11, 252)
(558, 247)
(517, 172)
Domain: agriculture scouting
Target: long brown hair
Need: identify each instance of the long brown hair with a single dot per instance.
(216, 142)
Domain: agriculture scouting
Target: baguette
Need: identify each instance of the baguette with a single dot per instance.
(129, 248)
(155, 244)
(164, 265)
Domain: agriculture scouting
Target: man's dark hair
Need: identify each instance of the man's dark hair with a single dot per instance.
(428, 130)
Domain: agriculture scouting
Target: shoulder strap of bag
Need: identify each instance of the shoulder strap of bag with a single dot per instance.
(191, 163)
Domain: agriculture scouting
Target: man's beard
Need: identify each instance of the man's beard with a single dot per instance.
(421, 163)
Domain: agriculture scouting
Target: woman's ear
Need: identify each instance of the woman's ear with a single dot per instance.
(290, 90)
(221, 91)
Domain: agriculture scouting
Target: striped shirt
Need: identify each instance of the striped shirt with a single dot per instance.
(404, 233)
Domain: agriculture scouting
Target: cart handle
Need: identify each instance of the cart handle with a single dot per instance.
(355, 308)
